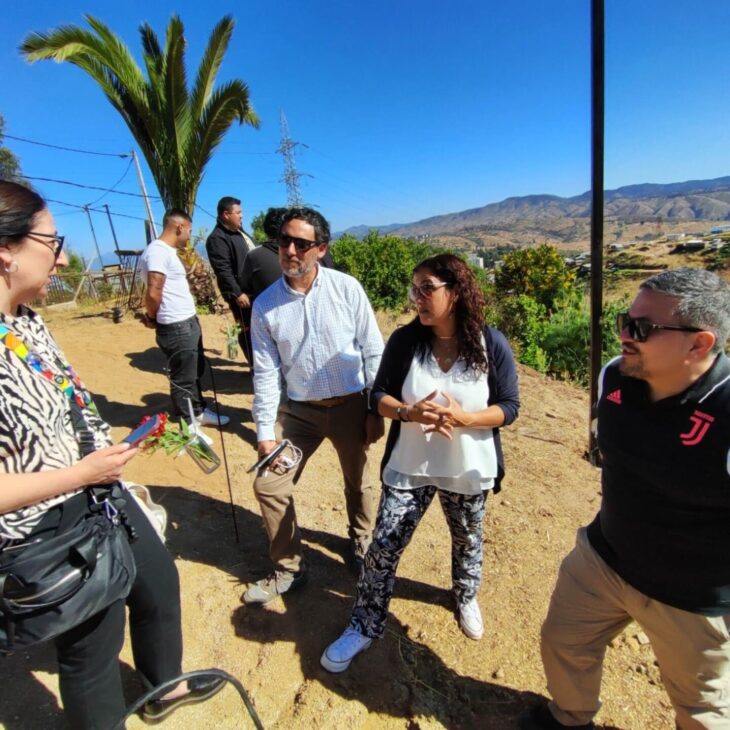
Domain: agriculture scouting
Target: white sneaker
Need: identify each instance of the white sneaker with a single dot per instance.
(209, 418)
(470, 620)
(338, 655)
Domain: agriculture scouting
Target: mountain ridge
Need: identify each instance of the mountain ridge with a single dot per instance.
(679, 201)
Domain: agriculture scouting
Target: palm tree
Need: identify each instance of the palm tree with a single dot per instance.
(178, 130)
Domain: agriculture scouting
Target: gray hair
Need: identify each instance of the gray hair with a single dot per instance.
(704, 300)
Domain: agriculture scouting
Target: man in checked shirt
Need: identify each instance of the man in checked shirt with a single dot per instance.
(313, 329)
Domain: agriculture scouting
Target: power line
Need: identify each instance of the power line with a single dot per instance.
(66, 149)
(200, 207)
(89, 187)
(113, 187)
(96, 210)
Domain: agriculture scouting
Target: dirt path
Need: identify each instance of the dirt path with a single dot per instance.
(425, 673)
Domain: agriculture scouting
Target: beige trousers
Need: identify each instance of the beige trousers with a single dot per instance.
(591, 605)
(306, 426)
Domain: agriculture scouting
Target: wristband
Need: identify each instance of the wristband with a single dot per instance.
(150, 319)
(402, 413)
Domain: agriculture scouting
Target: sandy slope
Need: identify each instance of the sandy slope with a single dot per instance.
(425, 673)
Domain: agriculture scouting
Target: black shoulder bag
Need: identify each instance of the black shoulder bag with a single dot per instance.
(50, 585)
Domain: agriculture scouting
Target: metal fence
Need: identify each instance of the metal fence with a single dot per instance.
(120, 286)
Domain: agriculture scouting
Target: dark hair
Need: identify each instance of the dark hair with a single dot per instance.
(19, 206)
(703, 300)
(469, 310)
(272, 222)
(175, 213)
(313, 217)
(225, 205)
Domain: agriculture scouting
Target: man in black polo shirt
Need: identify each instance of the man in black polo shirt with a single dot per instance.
(228, 246)
(658, 552)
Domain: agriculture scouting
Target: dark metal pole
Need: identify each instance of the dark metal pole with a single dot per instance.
(111, 225)
(597, 124)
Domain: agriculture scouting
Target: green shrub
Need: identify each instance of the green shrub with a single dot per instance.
(382, 264)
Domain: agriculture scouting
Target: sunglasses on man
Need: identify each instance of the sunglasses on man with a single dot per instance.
(639, 328)
(55, 242)
(300, 244)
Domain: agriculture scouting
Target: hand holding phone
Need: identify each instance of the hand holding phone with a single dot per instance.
(268, 458)
(136, 437)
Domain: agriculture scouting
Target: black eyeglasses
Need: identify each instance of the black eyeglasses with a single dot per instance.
(55, 243)
(640, 328)
(300, 244)
(426, 290)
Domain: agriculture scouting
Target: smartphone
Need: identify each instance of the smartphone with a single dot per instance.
(264, 460)
(136, 437)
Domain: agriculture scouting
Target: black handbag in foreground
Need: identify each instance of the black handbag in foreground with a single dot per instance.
(50, 585)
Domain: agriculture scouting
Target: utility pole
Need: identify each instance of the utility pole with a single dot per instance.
(291, 175)
(93, 235)
(144, 194)
(597, 139)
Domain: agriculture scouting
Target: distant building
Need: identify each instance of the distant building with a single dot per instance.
(475, 260)
(719, 229)
(675, 236)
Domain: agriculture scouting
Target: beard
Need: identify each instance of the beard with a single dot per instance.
(298, 269)
(633, 368)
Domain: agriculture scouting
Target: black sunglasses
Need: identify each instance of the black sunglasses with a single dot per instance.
(55, 243)
(640, 328)
(426, 290)
(300, 244)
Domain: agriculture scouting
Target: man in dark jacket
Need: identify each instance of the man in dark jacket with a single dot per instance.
(658, 551)
(228, 246)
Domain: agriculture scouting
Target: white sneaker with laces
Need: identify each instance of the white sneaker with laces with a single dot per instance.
(470, 620)
(209, 418)
(338, 655)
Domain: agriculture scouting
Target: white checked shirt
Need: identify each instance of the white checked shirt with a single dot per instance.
(324, 343)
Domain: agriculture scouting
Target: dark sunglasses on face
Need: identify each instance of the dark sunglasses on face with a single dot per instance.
(426, 290)
(300, 244)
(639, 328)
(55, 242)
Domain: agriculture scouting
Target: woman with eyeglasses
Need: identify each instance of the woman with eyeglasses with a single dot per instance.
(47, 418)
(448, 382)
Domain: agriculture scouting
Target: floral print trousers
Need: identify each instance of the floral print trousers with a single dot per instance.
(399, 513)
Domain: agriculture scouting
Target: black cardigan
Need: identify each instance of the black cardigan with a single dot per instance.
(501, 377)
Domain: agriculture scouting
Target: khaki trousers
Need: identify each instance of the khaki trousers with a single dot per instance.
(306, 426)
(591, 605)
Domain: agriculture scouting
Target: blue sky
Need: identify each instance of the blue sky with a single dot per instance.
(408, 108)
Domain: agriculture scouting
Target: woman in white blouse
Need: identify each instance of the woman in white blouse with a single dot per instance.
(448, 382)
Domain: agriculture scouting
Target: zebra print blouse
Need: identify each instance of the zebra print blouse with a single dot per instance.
(36, 431)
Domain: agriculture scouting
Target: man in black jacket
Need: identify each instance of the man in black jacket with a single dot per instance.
(658, 551)
(228, 246)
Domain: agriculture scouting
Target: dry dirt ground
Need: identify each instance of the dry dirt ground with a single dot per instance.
(424, 673)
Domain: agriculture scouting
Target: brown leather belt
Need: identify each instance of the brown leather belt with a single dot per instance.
(337, 400)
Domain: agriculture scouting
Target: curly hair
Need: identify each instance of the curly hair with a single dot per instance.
(469, 310)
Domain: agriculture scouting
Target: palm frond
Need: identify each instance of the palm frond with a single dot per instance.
(210, 65)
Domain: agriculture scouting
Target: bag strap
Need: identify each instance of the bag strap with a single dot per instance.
(69, 387)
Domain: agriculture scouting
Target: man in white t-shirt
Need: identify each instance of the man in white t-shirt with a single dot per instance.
(170, 311)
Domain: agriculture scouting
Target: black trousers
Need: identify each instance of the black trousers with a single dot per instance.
(182, 345)
(243, 318)
(88, 655)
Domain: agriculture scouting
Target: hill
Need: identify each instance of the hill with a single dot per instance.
(565, 221)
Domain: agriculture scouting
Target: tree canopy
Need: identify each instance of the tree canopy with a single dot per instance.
(177, 128)
(9, 162)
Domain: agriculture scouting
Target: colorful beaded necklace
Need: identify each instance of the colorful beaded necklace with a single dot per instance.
(68, 382)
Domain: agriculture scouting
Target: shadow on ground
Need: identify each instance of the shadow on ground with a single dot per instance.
(397, 676)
